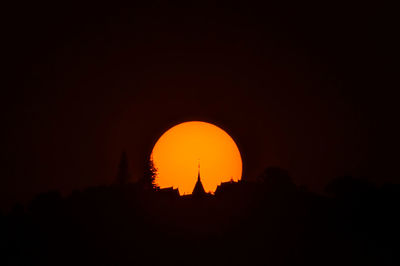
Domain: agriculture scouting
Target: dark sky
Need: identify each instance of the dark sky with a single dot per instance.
(309, 88)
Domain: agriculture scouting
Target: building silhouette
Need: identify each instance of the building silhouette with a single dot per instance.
(169, 192)
(198, 190)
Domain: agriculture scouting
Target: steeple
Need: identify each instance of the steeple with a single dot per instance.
(198, 173)
(198, 188)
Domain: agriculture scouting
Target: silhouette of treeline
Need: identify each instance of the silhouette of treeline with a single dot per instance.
(269, 221)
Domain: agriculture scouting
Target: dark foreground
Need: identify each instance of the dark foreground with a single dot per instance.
(271, 222)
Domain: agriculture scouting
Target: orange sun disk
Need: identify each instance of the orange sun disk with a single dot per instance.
(178, 152)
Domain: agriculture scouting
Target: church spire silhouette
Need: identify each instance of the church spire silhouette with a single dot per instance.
(198, 188)
(198, 172)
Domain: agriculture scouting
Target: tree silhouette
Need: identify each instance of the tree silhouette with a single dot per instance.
(149, 176)
(275, 177)
(347, 187)
(123, 174)
(280, 224)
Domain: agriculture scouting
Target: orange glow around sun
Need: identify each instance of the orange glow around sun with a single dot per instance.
(179, 150)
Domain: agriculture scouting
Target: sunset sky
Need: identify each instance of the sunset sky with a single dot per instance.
(311, 90)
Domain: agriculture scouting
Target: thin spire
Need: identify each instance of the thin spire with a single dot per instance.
(198, 171)
(198, 188)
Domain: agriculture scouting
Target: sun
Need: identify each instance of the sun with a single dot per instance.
(180, 151)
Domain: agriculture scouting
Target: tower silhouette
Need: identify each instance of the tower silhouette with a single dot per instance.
(198, 190)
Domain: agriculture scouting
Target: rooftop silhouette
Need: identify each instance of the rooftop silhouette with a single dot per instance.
(269, 221)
